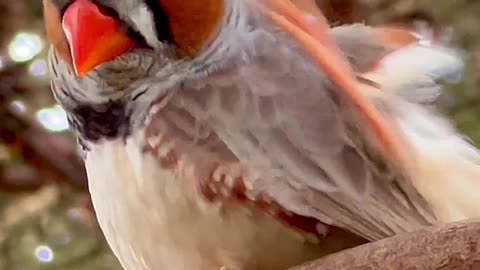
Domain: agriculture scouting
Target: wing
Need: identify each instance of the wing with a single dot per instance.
(299, 123)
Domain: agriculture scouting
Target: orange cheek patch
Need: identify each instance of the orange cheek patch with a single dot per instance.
(193, 22)
(55, 34)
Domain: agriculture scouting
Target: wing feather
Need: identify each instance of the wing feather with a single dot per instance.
(286, 119)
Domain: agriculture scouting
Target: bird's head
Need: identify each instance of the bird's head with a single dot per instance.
(106, 54)
(88, 33)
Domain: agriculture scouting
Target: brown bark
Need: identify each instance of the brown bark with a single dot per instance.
(453, 246)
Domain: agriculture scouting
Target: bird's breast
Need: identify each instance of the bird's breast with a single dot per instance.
(154, 219)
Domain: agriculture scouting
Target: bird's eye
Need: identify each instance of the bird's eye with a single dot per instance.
(86, 34)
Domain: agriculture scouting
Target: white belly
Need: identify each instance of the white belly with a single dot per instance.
(152, 221)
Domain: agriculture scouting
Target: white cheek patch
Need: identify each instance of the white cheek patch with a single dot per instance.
(142, 19)
(138, 15)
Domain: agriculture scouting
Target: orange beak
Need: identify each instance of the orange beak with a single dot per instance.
(94, 37)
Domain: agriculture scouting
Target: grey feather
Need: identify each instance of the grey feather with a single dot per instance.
(360, 44)
(289, 116)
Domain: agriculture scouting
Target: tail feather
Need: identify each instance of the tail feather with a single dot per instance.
(414, 72)
(447, 171)
(448, 165)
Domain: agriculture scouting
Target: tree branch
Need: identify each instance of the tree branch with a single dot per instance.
(453, 246)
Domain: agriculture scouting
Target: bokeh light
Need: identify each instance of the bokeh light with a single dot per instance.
(44, 254)
(38, 68)
(2, 62)
(53, 118)
(25, 46)
(18, 106)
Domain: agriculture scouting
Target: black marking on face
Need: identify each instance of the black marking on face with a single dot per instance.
(162, 25)
(101, 121)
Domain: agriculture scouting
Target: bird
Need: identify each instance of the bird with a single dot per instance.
(244, 134)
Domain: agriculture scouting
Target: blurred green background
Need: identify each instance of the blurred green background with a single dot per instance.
(46, 218)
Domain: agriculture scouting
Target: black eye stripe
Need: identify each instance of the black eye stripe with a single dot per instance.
(161, 20)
